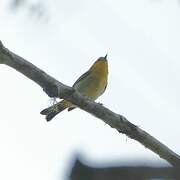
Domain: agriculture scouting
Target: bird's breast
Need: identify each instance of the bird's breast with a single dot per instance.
(92, 86)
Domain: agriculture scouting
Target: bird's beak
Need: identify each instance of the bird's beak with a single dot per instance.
(105, 57)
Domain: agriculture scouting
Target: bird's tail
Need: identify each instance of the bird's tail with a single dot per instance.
(53, 110)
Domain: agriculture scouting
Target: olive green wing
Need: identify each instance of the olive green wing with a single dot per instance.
(83, 76)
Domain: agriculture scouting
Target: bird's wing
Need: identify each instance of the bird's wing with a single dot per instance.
(81, 78)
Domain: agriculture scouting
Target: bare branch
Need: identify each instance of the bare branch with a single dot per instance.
(54, 88)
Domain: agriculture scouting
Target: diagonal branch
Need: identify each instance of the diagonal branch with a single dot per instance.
(54, 88)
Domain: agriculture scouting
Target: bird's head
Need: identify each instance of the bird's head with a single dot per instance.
(100, 65)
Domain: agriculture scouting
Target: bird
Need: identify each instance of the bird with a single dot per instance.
(91, 84)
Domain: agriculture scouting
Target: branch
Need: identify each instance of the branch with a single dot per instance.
(54, 88)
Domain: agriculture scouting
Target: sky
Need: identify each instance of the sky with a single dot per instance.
(142, 41)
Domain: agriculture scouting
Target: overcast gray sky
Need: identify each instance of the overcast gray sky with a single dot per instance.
(142, 40)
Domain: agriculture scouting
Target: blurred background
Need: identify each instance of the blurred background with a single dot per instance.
(64, 38)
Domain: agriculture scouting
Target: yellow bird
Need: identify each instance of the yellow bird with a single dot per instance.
(91, 84)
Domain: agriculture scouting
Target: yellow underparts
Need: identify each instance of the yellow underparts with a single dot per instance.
(94, 84)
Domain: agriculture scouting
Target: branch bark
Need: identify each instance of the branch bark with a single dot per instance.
(54, 88)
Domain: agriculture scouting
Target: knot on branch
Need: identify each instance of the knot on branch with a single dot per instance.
(127, 127)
